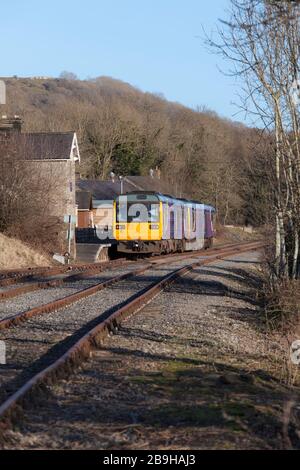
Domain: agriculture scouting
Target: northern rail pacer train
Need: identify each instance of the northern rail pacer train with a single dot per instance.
(154, 223)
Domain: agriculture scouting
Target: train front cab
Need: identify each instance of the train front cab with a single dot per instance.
(148, 223)
(138, 223)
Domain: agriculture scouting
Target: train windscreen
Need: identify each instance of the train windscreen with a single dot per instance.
(128, 212)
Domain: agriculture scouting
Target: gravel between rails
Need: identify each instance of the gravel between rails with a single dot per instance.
(23, 302)
(42, 339)
(12, 287)
(192, 370)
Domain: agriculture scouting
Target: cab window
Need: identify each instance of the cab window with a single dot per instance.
(137, 212)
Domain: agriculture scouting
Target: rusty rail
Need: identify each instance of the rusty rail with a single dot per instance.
(9, 294)
(85, 270)
(65, 301)
(8, 278)
(80, 351)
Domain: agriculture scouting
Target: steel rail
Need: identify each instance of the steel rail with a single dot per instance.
(33, 286)
(10, 277)
(65, 301)
(81, 294)
(13, 277)
(87, 270)
(11, 409)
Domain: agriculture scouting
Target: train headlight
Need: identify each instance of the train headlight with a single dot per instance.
(154, 226)
(120, 227)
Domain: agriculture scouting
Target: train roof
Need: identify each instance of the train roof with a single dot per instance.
(167, 197)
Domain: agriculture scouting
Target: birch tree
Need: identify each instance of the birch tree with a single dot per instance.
(261, 41)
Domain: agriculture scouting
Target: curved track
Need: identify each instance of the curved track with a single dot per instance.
(32, 279)
(46, 348)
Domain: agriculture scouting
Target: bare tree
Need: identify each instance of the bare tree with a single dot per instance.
(65, 75)
(123, 129)
(261, 39)
(103, 134)
(32, 195)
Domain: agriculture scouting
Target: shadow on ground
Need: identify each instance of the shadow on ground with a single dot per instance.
(162, 398)
(127, 398)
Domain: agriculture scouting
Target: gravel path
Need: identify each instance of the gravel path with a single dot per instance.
(192, 370)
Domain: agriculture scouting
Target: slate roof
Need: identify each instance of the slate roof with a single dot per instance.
(109, 190)
(48, 146)
(39, 145)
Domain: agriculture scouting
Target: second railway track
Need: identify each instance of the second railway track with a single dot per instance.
(15, 283)
(46, 347)
(22, 304)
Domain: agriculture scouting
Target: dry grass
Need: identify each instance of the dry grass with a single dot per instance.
(281, 301)
(234, 235)
(16, 254)
(282, 313)
(283, 305)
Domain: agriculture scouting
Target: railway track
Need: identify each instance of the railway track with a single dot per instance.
(31, 279)
(73, 285)
(46, 347)
(9, 278)
(34, 285)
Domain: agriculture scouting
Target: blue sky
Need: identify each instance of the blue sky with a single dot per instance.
(152, 44)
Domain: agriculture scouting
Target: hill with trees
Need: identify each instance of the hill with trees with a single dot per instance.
(123, 129)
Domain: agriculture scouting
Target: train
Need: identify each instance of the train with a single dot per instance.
(146, 222)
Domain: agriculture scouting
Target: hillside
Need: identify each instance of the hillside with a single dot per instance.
(125, 130)
(16, 254)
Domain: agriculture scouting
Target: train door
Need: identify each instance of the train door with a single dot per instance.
(172, 224)
(208, 224)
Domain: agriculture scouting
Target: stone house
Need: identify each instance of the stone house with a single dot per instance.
(50, 157)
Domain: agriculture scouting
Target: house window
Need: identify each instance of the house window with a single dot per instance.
(71, 186)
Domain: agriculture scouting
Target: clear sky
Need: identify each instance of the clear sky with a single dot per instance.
(155, 45)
